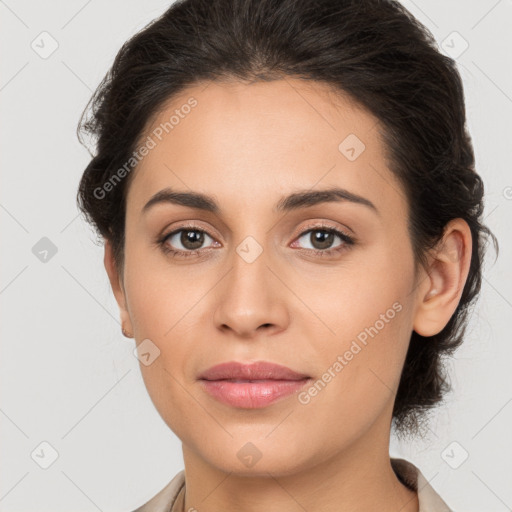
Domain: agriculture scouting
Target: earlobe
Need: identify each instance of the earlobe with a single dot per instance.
(448, 270)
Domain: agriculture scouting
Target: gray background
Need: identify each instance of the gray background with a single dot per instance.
(68, 376)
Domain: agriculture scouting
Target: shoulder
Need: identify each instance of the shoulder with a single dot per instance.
(164, 499)
(411, 476)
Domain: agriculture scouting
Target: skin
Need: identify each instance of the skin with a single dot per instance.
(248, 145)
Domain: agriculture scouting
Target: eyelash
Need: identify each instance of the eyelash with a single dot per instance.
(347, 241)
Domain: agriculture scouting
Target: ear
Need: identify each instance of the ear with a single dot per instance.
(440, 290)
(116, 281)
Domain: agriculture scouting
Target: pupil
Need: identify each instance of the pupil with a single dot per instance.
(192, 239)
(322, 238)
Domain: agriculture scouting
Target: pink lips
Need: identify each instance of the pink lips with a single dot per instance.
(251, 386)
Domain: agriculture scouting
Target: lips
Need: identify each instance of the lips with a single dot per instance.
(260, 370)
(251, 386)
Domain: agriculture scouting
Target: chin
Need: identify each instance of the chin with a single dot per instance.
(258, 458)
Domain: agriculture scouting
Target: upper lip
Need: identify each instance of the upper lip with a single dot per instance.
(259, 370)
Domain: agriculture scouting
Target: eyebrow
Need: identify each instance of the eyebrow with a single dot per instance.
(294, 201)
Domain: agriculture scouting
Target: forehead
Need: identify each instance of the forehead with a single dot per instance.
(252, 143)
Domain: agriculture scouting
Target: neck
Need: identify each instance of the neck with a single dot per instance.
(358, 478)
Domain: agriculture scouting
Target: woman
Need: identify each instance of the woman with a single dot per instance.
(293, 233)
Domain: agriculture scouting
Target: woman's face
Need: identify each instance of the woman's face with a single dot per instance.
(257, 277)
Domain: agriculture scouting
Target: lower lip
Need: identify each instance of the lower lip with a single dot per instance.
(252, 395)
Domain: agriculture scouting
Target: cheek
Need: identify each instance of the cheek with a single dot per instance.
(167, 308)
(366, 288)
(368, 312)
(360, 376)
(164, 317)
(160, 297)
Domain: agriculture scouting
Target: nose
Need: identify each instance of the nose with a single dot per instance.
(251, 299)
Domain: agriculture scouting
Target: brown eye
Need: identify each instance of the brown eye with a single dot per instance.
(187, 239)
(322, 239)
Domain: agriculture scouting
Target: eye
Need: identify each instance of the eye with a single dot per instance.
(185, 241)
(321, 240)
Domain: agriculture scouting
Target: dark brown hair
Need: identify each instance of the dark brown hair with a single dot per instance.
(373, 50)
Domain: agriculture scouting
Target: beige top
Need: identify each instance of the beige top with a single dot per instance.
(171, 497)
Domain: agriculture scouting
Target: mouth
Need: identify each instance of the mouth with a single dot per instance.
(253, 385)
